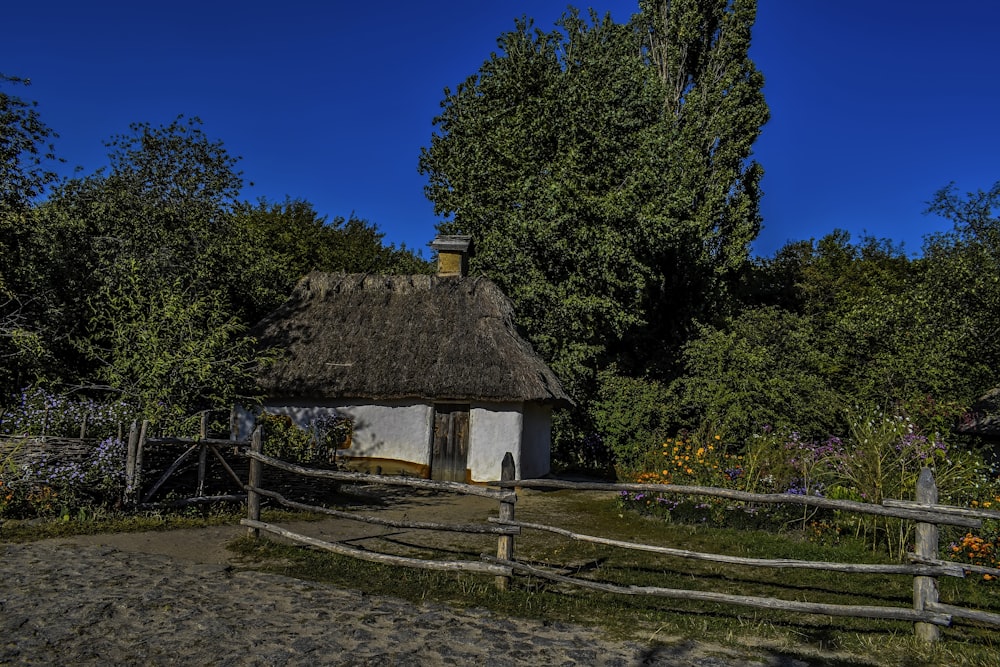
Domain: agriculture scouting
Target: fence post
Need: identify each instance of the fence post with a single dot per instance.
(256, 468)
(140, 445)
(925, 589)
(505, 543)
(202, 454)
(83, 426)
(133, 440)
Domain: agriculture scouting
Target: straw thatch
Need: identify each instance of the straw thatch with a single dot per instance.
(984, 417)
(402, 337)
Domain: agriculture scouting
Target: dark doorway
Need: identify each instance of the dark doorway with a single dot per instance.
(450, 445)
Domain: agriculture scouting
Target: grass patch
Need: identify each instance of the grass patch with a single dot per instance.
(36, 529)
(817, 639)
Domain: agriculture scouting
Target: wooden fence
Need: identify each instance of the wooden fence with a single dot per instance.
(928, 614)
(139, 446)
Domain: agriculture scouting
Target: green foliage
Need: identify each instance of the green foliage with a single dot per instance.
(283, 439)
(172, 351)
(860, 322)
(25, 152)
(630, 414)
(280, 243)
(24, 149)
(605, 177)
(764, 368)
(147, 276)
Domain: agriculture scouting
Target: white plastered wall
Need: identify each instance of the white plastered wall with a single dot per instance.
(398, 430)
(401, 430)
(495, 428)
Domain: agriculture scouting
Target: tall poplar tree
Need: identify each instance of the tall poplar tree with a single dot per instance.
(605, 173)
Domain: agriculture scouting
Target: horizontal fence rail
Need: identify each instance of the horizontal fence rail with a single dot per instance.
(475, 528)
(912, 511)
(856, 611)
(389, 559)
(942, 568)
(362, 478)
(255, 492)
(925, 566)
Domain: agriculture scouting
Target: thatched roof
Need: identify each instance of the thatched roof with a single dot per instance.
(394, 337)
(983, 418)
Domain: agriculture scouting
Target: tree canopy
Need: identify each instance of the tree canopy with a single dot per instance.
(144, 278)
(605, 173)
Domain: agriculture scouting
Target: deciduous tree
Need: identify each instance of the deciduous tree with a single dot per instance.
(26, 159)
(605, 173)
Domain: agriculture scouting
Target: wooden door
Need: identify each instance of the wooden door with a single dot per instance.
(450, 447)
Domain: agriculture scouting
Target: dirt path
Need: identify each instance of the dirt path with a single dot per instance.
(208, 545)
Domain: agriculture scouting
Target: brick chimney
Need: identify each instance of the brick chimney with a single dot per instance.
(453, 255)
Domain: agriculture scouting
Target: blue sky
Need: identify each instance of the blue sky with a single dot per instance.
(875, 105)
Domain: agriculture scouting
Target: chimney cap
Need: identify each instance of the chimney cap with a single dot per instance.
(459, 243)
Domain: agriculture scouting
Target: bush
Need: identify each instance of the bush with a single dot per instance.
(765, 366)
(58, 485)
(46, 487)
(880, 457)
(631, 416)
(283, 439)
(36, 411)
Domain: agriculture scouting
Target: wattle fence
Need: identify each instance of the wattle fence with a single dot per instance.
(928, 613)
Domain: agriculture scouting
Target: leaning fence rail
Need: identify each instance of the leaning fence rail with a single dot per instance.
(255, 492)
(928, 614)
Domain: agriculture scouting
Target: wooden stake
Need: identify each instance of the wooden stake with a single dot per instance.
(202, 455)
(133, 440)
(505, 543)
(140, 447)
(925, 589)
(233, 424)
(256, 470)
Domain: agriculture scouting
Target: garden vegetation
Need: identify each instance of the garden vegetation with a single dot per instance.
(606, 173)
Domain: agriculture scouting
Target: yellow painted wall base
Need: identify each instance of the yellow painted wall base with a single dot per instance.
(393, 467)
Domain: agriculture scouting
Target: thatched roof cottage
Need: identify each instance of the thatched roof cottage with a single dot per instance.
(431, 368)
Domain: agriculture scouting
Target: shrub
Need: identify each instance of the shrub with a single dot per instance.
(630, 416)
(36, 411)
(46, 488)
(283, 439)
(52, 484)
(880, 457)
